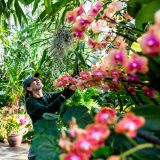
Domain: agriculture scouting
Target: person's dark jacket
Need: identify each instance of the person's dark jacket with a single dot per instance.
(49, 103)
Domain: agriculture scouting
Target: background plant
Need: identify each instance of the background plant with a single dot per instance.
(15, 120)
(136, 99)
(80, 58)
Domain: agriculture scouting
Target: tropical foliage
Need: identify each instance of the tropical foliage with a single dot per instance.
(108, 51)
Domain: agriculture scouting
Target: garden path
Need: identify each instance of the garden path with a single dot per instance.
(13, 153)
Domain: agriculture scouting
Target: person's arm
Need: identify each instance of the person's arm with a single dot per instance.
(37, 109)
(66, 93)
(54, 95)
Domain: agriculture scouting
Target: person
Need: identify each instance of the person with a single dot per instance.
(38, 103)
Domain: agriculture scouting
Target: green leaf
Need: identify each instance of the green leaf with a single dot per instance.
(57, 6)
(19, 12)
(2, 8)
(151, 113)
(42, 59)
(35, 5)
(42, 16)
(60, 18)
(29, 2)
(80, 113)
(24, 17)
(51, 22)
(154, 74)
(119, 141)
(136, 47)
(80, 56)
(52, 10)
(9, 3)
(0, 12)
(79, 52)
(28, 135)
(48, 6)
(3, 4)
(102, 152)
(26, 2)
(46, 127)
(22, 1)
(47, 3)
(143, 16)
(133, 6)
(45, 147)
(149, 154)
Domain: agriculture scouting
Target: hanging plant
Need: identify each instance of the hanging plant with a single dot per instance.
(60, 43)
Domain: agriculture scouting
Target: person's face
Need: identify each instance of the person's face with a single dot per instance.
(35, 85)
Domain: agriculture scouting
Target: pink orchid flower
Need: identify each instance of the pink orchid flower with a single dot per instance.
(137, 64)
(94, 10)
(130, 124)
(106, 115)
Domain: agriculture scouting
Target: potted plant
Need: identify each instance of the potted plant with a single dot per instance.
(16, 124)
(14, 136)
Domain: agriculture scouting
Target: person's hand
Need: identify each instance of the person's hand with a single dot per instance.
(67, 92)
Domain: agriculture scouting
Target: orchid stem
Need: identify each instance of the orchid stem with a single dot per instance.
(135, 149)
(132, 140)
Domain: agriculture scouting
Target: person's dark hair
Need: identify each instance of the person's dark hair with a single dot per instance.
(28, 94)
(26, 83)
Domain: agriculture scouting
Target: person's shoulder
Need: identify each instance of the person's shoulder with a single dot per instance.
(29, 99)
(51, 95)
(47, 94)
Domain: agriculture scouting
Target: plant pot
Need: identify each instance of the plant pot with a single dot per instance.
(14, 140)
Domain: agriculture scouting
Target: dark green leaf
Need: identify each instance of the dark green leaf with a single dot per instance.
(29, 2)
(151, 113)
(80, 56)
(0, 12)
(35, 6)
(9, 3)
(42, 16)
(18, 11)
(24, 17)
(3, 5)
(62, 19)
(57, 6)
(45, 148)
(51, 22)
(119, 142)
(46, 127)
(149, 154)
(134, 6)
(102, 152)
(154, 74)
(23, 1)
(80, 113)
(42, 59)
(143, 17)
(28, 135)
